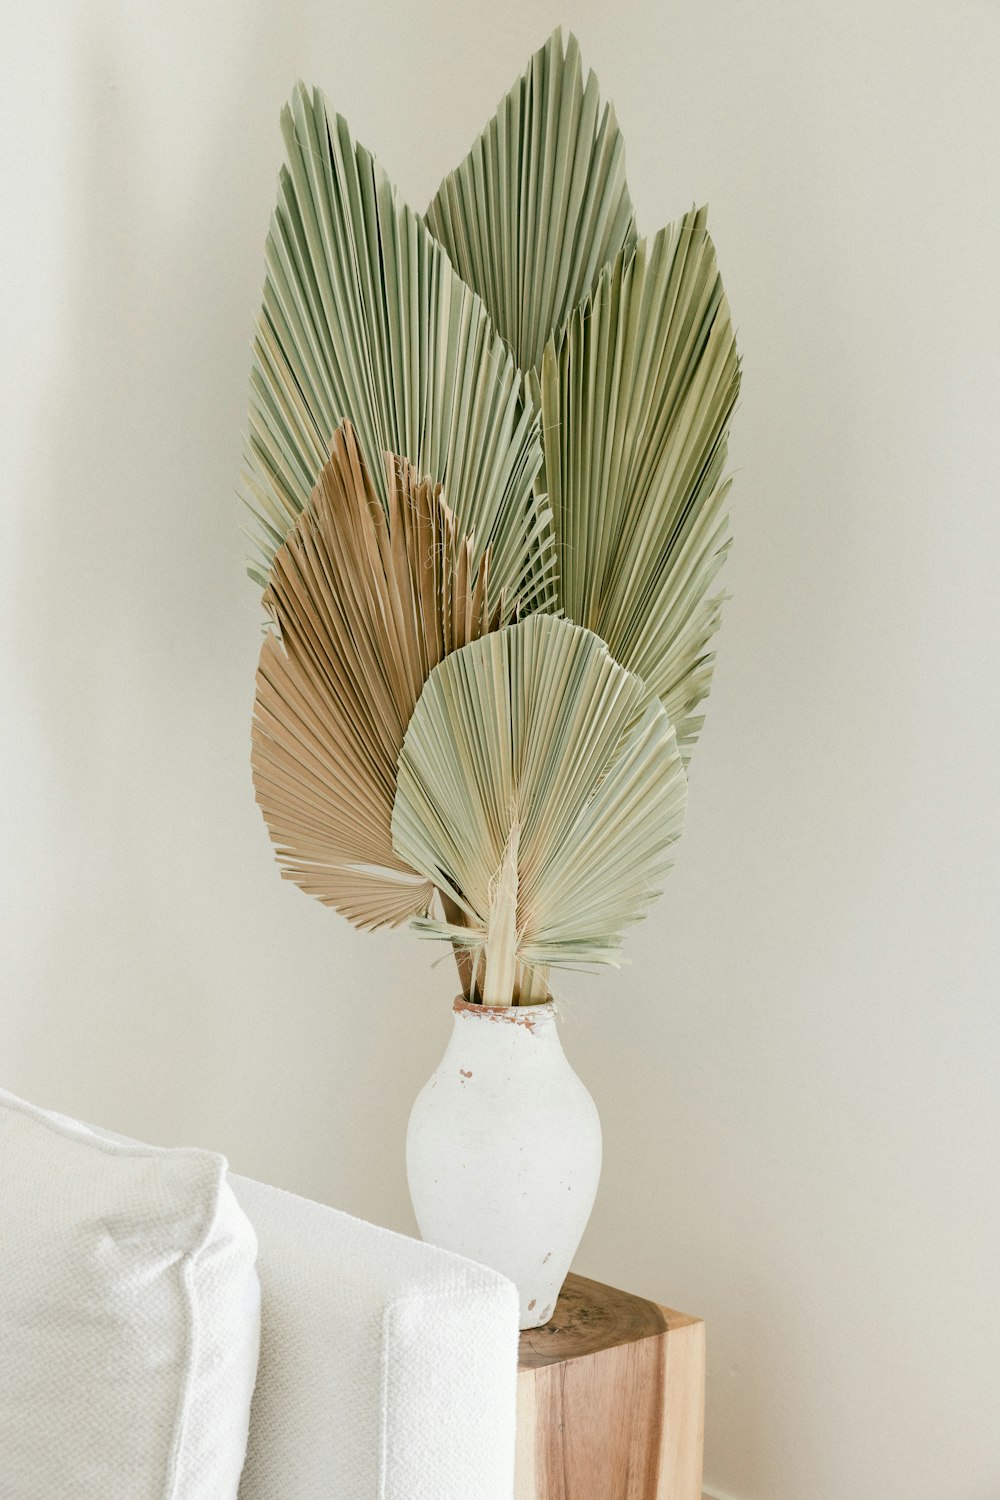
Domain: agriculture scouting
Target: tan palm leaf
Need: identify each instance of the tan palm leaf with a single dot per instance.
(367, 603)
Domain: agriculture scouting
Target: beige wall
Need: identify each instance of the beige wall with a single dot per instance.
(798, 1073)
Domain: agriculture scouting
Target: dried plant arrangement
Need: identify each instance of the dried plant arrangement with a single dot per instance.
(486, 465)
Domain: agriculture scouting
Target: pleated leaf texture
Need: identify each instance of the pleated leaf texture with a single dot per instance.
(637, 394)
(540, 205)
(541, 788)
(367, 603)
(364, 318)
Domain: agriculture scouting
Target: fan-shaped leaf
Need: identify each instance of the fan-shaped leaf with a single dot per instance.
(540, 204)
(364, 318)
(636, 395)
(366, 605)
(540, 788)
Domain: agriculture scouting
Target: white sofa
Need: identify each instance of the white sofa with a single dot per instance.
(387, 1367)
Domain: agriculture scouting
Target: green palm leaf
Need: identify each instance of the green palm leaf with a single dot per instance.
(636, 394)
(366, 605)
(540, 204)
(540, 787)
(364, 318)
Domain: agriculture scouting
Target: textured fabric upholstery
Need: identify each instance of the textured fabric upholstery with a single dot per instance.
(387, 1367)
(129, 1316)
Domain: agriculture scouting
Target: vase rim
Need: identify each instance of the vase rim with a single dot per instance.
(517, 1015)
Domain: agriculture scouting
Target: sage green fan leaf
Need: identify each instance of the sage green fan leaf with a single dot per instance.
(364, 318)
(367, 605)
(636, 394)
(541, 789)
(540, 204)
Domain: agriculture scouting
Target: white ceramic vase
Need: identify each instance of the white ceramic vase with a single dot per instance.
(503, 1151)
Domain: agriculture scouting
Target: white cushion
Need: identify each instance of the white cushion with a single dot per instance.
(388, 1368)
(129, 1317)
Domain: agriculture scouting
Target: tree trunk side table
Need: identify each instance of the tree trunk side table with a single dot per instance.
(610, 1400)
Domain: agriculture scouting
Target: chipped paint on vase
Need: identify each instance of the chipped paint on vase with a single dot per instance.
(503, 1151)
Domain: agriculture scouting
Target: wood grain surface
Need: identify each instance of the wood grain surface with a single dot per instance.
(610, 1400)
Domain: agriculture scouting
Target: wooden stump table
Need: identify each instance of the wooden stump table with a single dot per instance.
(610, 1400)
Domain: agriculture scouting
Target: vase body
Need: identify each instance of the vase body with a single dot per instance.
(503, 1150)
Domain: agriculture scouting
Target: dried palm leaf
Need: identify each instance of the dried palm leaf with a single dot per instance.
(540, 788)
(364, 318)
(367, 604)
(540, 204)
(636, 393)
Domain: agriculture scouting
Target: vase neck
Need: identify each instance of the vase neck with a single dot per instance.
(506, 1036)
(533, 1018)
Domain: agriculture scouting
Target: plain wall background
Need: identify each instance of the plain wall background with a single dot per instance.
(798, 1071)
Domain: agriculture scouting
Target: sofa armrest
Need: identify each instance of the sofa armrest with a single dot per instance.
(387, 1369)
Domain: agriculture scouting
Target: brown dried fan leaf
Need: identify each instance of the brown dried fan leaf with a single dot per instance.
(366, 605)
